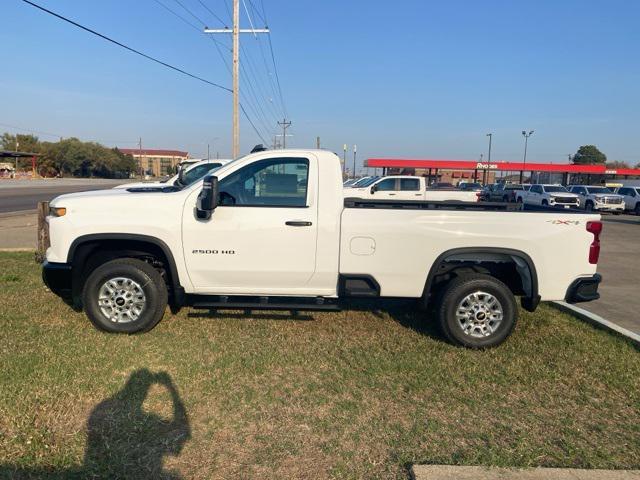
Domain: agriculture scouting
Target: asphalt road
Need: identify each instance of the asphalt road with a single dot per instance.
(620, 268)
(22, 195)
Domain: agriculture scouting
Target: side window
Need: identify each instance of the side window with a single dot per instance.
(633, 192)
(276, 182)
(410, 184)
(622, 191)
(386, 185)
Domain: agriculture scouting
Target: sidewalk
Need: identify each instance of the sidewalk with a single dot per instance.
(18, 231)
(450, 472)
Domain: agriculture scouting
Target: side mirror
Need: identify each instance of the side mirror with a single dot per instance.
(208, 198)
(181, 170)
(374, 189)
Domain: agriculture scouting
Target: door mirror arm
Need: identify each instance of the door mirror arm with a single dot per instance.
(208, 198)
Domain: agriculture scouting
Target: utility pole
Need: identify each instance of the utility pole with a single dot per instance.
(355, 151)
(284, 124)
(236, 31)
(140, 156)
(208, 156)
(490, 135)
(344, 158)
(318, 143)
(17, 148)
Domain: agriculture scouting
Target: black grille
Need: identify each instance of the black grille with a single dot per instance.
(571, 200)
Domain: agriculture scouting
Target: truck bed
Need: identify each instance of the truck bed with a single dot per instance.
(396, 242)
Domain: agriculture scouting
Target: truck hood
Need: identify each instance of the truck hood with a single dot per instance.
(607, 195)
(564, 194)
(104, 197)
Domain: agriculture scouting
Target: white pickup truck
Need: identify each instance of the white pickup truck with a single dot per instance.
(406, 187)
(548, 196)
(631, 196)
(596, 197)
(273, 230)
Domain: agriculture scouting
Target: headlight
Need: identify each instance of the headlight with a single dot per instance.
(57, 211)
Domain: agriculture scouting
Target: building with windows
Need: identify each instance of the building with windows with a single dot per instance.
(156, 163)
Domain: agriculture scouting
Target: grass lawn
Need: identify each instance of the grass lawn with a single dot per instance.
(325, 395)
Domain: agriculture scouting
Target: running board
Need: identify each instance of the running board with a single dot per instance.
(232, 302)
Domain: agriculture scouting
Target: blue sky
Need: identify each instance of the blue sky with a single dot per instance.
(417, 79)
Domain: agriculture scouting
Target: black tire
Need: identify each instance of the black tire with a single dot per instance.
(545, 203)
(637, 209)
(519, 200)
(454, 294)
(147, 277)
(505, 199)
(589, 207)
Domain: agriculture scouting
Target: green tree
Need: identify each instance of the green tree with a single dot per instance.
(589, 155)
(617, 164)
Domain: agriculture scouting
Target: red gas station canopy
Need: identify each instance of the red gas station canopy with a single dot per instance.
(497, 166)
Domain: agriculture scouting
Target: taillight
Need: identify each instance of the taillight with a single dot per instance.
(594, 249)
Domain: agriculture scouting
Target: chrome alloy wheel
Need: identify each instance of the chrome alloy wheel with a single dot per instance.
(479, 314)
(121, 300)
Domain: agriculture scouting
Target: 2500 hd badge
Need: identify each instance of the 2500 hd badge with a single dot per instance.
(214, 252)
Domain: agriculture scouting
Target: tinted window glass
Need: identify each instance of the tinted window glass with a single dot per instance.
(196, 173)
(387, 185)
(554, 188)
(366, 182)
(277, 182)
(598, 190)
(410, 184)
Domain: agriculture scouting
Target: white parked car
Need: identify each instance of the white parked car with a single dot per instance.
(272, 231)
(190, 173)
(593, 197)
(548, 195)
(631, 197)
(407, 187)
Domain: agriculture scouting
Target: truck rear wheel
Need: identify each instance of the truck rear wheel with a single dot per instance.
(477, 311)
(125, 295)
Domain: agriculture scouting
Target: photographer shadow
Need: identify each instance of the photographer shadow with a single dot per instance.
(124, 440)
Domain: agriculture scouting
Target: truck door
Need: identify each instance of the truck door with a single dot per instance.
(261, 239)
(410, 189)
(385, 189)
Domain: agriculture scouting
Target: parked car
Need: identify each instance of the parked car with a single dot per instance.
(188, 174)
(406, 187)
(349, 182)
(549, 195)
(250, 237)
(631, 197)
(485, 194)
(470, 186)
(505, 192)
(594, 197)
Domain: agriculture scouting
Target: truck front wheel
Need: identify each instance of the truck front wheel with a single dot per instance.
(125, 295)
(477, 311)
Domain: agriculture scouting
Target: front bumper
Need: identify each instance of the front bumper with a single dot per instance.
(609, 207)
(58, 277)
(584, 289)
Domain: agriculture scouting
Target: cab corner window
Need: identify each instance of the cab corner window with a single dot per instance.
(275, 182)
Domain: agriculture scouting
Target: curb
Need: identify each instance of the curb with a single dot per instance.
(451, 472)
(597, 321)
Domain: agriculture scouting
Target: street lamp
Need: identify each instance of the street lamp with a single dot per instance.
(524, 160)
(355, 151)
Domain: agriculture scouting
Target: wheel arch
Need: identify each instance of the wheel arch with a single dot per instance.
(93, 249)
(461, 259)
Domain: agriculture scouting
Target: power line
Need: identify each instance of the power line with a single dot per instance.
(273, 58)
(137, 52)
(213, 13)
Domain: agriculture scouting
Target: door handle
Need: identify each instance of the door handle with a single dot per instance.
(298, 223)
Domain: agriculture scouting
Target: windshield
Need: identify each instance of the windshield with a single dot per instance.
(555, 189)
(197, 172)
(365, 182)
(513, 186)
(598, 190)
